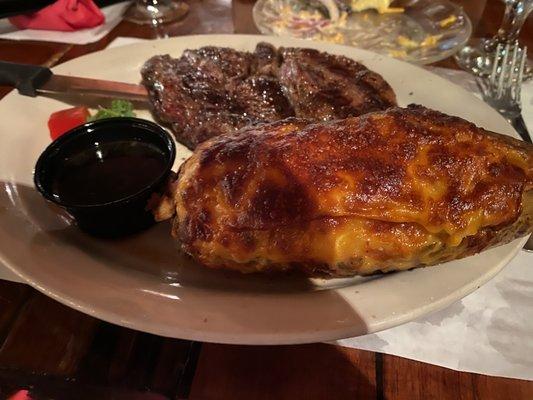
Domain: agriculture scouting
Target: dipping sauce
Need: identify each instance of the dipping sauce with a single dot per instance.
(107, 172)
(104, 174)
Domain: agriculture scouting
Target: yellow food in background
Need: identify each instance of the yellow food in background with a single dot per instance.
(447, 21)
(407, 43)
(430, 41)
(382, 6)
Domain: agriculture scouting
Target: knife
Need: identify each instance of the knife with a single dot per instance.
(31, 80)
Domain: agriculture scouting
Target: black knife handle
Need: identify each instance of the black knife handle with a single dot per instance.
(25, 77)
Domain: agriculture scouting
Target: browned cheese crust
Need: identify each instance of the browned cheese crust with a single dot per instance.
(386, 191)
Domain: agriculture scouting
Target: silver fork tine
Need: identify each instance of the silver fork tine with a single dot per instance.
(503, 71)
(495, 63)
(518, 85)
(512, 72)
(502, 89)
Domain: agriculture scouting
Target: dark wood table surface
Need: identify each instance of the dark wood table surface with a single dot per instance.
(58, 353)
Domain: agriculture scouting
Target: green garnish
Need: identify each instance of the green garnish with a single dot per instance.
(119, 108)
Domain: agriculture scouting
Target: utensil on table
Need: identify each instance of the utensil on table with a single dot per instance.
(31, 80)
(502, 91)
(477, 56)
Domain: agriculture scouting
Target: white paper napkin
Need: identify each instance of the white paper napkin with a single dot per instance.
(113, 15)
(489, 332)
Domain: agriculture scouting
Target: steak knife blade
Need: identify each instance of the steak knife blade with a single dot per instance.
(31, 80)
(94, 87)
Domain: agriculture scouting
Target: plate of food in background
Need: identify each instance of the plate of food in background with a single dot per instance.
(308, 186)
(417, 31)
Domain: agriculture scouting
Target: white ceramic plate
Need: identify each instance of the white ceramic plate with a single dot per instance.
(142, 283)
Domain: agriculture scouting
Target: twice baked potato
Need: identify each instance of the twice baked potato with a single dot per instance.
(386, 191)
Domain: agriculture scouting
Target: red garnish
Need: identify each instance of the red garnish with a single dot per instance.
(64, 120)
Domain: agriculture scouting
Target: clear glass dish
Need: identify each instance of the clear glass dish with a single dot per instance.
(425, 32)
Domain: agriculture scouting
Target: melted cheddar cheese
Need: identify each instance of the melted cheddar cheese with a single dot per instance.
(384, 191)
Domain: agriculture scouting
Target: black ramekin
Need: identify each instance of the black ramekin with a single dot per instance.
(119, 217)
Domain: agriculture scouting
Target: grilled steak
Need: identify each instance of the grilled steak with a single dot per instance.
(321, 86)
(215, 90)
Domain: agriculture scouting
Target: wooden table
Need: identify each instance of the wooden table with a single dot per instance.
(59, 353)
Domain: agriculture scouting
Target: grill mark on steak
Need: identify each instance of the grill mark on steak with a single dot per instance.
(215, 90)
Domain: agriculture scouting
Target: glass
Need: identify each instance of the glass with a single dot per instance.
(477, 55)
(154, 12)
(427, 31)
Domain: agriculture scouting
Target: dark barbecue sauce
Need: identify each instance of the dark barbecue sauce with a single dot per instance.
(107, 172)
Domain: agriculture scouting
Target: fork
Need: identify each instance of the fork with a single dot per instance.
(502, 92)
(502, 89)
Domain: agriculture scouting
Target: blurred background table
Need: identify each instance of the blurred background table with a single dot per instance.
(58, 353)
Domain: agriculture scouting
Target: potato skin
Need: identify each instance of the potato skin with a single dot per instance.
(386, 191)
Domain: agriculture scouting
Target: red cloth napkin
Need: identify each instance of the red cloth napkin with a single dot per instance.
(63, 15)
